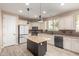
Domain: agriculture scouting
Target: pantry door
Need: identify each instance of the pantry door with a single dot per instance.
(9, 30)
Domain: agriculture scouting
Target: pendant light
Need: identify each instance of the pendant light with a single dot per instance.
(28, 14)
(40, 16)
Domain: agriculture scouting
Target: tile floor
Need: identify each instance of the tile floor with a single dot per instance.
(21, 50)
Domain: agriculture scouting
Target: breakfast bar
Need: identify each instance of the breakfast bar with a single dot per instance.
(37, 45)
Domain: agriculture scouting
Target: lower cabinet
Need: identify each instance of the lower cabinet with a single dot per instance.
(75, 45)
(71, 43)
(51, 40)
(67, 43)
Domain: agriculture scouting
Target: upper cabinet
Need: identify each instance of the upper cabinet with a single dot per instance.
(61, 23)
(77, 23)
(40, 25)
(66, 23)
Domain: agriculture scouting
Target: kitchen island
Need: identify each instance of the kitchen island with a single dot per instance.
(37, 45)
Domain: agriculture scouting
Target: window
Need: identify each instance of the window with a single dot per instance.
(53, 25)
(77, 23)
(50, 27)
(56, 25)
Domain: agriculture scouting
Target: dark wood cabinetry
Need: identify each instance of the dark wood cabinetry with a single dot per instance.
(37, 49)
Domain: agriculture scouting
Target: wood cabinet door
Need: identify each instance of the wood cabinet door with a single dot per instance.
(66, 22)
(75, 45)
(67, 43)
(51, 40)
(61, 23)
(69, 22)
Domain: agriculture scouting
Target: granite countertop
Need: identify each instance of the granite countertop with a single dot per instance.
(68, 36)
(37, 39)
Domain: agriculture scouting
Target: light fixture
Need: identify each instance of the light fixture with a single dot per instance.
(26, 4)
(20, 11)
(44, 12)
(28, 9)
(40, 16)
(62, 4)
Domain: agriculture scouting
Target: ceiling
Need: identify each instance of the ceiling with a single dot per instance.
(50, 8)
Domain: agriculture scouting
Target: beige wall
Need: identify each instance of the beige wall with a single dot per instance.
(22, 22)
(0, 28)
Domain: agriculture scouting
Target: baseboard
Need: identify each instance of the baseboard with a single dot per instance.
(65, 49)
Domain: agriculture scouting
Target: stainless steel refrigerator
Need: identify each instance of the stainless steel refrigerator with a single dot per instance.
(22, 33)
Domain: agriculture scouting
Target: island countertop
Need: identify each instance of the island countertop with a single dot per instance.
(37, 39)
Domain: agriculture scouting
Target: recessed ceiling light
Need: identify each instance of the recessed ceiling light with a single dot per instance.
(27, 4)
(20, 11)
(62, 4)
(44, 12)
